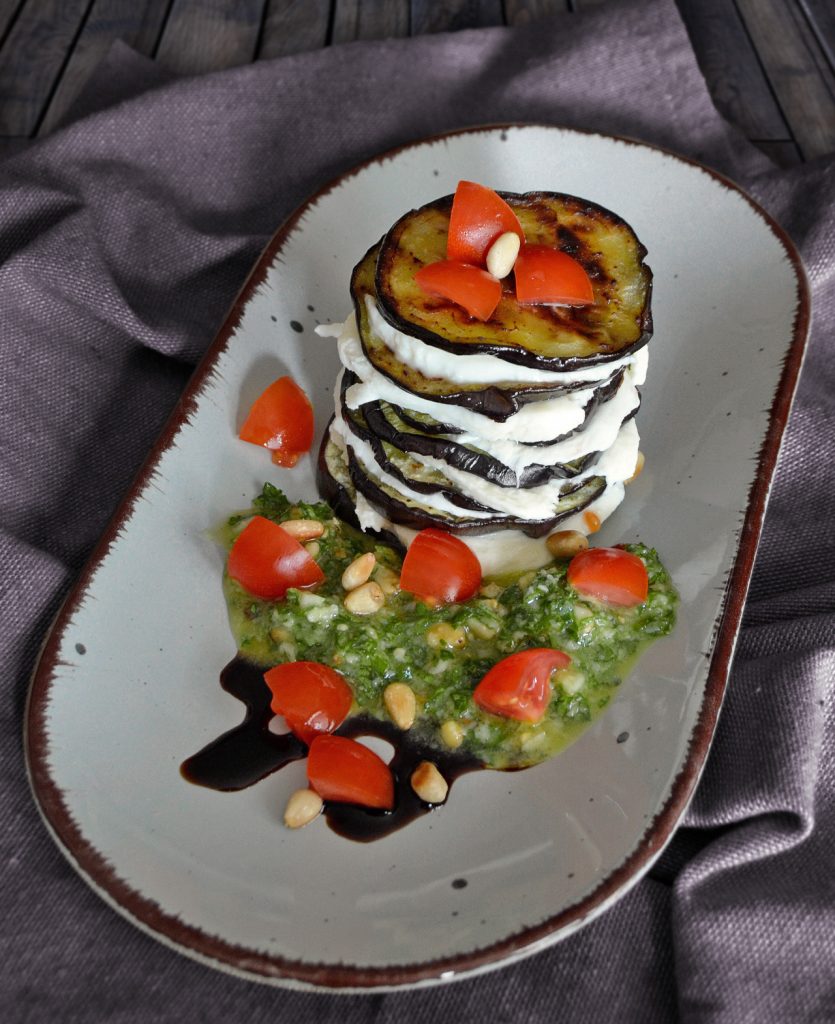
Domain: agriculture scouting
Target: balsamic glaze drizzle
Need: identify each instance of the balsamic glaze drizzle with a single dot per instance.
(249, 752)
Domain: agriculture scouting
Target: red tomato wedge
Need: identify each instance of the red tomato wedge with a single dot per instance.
(610, 575)
(519, 686)
(344, 770)
(267, 561)
(469, 287)
(479, 215)
(547, 276)
(312, 698)
(440, 567)
(281, 419)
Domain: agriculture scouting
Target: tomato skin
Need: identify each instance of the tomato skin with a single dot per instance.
(470, 287)
(519, 686)
(611, 575)
(313, 698)
(348, 772)
(440, 567)
(281, 420)
(545, 275)
(479, 215)
(267, 561)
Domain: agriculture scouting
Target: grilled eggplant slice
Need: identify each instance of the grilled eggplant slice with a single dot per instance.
(340, 474)
(383, 422)
(402, 510)
(397, 463)
(498, 401)
(549, 337)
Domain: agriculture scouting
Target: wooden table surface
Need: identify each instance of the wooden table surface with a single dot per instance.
(770, 64)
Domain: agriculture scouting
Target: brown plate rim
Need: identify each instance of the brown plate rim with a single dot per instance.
(210, 949)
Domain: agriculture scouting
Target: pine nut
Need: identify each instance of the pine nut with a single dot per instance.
(399, 699)
(429, 784)
(366, 599)
(639, 465)
(502, 254)
(452, 734)
(442, 634)
(566, 543)
(388, 579)
(303, 529)
(490, 590)
(359, 571)
(303, 806)
(312, 548)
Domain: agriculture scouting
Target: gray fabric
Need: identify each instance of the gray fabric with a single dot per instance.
(123, 238)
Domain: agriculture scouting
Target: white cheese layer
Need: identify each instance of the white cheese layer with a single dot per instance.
(476, 367)
(536, 421)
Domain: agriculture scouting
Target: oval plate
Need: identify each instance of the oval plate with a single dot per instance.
(127, 685)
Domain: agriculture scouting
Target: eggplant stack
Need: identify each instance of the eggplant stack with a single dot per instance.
(500, 431)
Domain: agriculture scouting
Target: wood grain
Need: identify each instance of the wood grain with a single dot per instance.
(801, 78)
(369, 19)
(31, 60)
(136, 23)
(821, 17)
(294, 26)
(729, 62)
(523, 12)
(452, 15)
(207, 35)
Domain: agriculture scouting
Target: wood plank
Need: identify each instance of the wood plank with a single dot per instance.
(369, 19)
(294, 26)
(207, 35)
(451, 15)
(797, 69)
(732, 69)
(136, 22)
(523, 12)
(820, 15)
(32, 58)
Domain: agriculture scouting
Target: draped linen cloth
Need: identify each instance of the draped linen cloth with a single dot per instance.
(123, 238)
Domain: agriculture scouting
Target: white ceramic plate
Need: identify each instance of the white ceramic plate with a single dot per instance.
(128, 683)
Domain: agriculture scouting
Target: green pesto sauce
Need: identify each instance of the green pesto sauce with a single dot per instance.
(519, 611)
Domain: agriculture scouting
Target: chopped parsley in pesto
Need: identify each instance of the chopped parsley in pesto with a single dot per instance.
(443, 652)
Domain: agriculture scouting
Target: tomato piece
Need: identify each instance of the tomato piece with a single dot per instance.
(312, 698)
(609, 574)
(344, 770)
(281, 420)
(519, 686)
(440, 567)
(545, 275)
(267, 561)
(470, 287)
(479, 215)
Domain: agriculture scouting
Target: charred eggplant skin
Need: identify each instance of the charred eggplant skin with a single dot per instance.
(496, 401)
(356, 422)
(557, 338)
(418, 517)
(462, 457)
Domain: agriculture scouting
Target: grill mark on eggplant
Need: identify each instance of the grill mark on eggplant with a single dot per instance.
(496, 401)
(587, 324)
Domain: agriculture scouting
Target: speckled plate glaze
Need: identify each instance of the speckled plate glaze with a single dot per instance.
(127, 685)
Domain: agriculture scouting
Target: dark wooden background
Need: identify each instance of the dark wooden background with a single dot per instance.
(770, 64)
